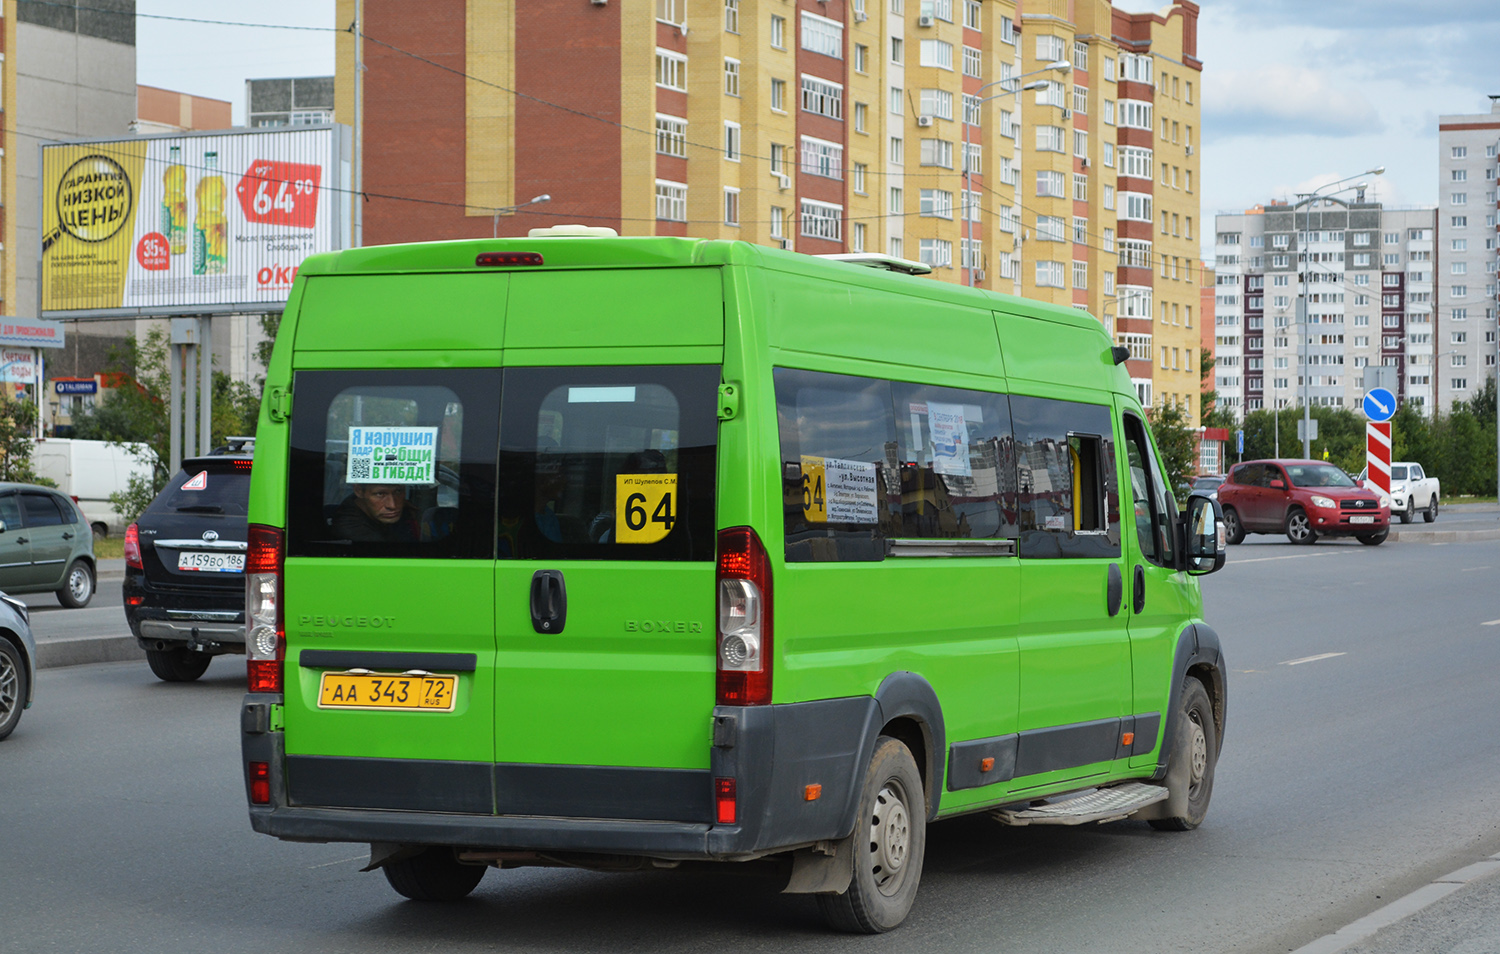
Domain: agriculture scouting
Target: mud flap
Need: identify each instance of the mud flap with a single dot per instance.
(825, 868)
(1179, 774)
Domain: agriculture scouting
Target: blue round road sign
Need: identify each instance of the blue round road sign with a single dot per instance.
(1380, 405)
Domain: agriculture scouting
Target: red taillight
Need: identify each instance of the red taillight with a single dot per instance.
(242, 464)
(133, 547)
(744, 619)
(723, 800)
(260, 783)
(265, 631)
(509, 258)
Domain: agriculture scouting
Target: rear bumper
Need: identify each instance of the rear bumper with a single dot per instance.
(212, 620)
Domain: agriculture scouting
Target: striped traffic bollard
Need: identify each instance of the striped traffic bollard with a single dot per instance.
(1378, 454)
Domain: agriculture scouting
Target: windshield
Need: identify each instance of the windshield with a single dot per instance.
(1398, 473)
(217, 489)
(1207, 483)
(1318, 475)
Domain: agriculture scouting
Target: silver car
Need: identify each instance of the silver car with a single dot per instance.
(17, 663)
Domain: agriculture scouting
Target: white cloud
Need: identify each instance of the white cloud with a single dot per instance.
(1283, 100)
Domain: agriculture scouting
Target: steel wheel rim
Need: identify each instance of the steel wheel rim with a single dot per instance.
(78, 583)
(10, 688)
(890, 839)
(1231, 522)
(1199, 758)
(1298, 526)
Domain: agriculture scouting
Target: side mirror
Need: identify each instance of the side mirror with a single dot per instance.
(2, 526)
(1278, 485)
(1204, 544)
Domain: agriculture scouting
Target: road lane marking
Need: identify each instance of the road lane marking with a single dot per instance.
(1308, 659)
(1295, 556)
(1475, 569)
(1493, 622)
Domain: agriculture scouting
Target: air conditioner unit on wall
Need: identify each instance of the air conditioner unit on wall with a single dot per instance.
(979, 274)
(1190, 150)
(1067, 114)
(860, 16)
(1085, 163)
(925, 21)
(924, 121)
(786, 243)
(783, 181)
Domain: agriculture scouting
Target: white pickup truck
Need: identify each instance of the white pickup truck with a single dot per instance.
(1412, 491)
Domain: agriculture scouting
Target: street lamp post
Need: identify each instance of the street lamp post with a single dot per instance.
(1304, 200)
(1061, 65)
(512, 209)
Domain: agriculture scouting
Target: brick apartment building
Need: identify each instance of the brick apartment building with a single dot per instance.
(1467, 255)
(892, 126)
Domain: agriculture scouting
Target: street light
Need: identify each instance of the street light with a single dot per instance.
(1062, 66)
(511, 210)
(1305, 199)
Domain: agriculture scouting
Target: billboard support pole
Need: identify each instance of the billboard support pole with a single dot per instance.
(41, 377)
(205, 386)
(174, 409)
(189, 399)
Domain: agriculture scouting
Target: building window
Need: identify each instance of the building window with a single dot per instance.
(936, 203)
(1081, 100)
(731, 206)
(937, 152)
(671, 70)
(671, 136)
(971, 254)
(1050, 48)
(861, 58)
(671, 201)
(822, 35)
(731, 16)
(1049, 183)
(895, 199)
(1050, 275)
(1080, 55)
(778, 216)
(898, 51)
(936, 253)
(1137, 207)
(671, 11)
(822, 158)
(898, 153)
(937, 53)
(1080, 188)
(1050, 139)
(731, 77)
(971, 14)
(1109, 197)
(942, 9)
(732, 141)
(1081, 275)
(860, 169)
(778, 32)
(937, 102)
(1109, 112)
(857, 237)
(822, 97)
(1007, 31)
(1136, 162)
(822, 220)
(1135, 114)
(778, 95)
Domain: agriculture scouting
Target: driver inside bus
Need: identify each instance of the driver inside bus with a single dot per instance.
(377, 513)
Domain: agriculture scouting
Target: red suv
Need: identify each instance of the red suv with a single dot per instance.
(1304, 499)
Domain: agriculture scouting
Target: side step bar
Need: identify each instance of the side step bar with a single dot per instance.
(1094, 805)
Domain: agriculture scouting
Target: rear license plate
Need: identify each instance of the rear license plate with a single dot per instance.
(386, 690)
(1362, 519)
(211, 562)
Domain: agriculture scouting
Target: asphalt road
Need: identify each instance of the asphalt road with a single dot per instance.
(104, 616)
(1362, 759)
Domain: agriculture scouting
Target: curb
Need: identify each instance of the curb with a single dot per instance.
(1402, 908)
(1444, 536)
(81, 650)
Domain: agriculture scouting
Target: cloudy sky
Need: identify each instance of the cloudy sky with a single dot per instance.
(1296, 93)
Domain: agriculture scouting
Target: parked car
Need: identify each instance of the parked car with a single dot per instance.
(1207, 485)
(184, 586)
(89, 471)
(1412, 490)
(1305, 499)
(17, 663)
(45, 545)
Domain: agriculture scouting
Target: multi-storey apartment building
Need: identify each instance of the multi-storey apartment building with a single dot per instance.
(1367, 276)
(893, 126)
(1467, 258)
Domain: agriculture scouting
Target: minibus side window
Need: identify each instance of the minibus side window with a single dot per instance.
(1155, 510)
(392, 464)
(1065, 476)
(958, 467)
(841, 485)
(608, 463)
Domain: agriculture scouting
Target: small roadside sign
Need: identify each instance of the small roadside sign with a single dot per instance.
(1380, 405)
(1239, 442)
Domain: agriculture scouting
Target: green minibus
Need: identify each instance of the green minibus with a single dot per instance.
(622, 553)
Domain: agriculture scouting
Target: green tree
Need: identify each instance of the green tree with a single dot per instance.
(17, 425)
(1213, 414)
(1175, 441)
(1482, 406)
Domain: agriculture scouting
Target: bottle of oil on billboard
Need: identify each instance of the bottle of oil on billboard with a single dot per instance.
(174, 202)
(210, 238)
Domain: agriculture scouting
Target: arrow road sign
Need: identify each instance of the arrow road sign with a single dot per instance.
(1380, 405)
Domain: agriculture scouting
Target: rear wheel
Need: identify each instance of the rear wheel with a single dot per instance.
(12, 687)
(1190, 768)
(100, 530)
(1299, 528)
(890, 837)
(1234, 531)
(177, 665)
(435, 874)
(1430, 514)
(1373, 539)
(78, 586)
(1410, 513)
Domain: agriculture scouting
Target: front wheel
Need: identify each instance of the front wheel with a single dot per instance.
(1299, 528)
(1190, 768)
(12, 687)
(177, 665)
(1234, 530)
(435, 874)
(1373, 539)
(1410, 513)
(886, 849)
(78, 586)
(1430, 514)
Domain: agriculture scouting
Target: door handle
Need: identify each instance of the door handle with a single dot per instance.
(67, 536)
(549, 601)
(1114, 589)
(1138, 603)
(22, 540)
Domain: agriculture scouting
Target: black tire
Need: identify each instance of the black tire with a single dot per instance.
(78, 585)
(1195, 748)
(1430, 514)
(887, 847)
(99, 530)
(12, 687)
(1373, 539)
(435, 874)
(1234, 530)
(177, 665)
(1410, 513)
(1299, 528)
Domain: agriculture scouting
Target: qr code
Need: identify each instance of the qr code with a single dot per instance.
(359, 468)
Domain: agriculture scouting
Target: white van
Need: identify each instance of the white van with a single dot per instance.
(89, 471)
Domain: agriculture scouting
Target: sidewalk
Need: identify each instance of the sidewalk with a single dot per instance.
(1456, 523)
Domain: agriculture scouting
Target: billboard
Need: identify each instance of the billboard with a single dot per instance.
(190, 223)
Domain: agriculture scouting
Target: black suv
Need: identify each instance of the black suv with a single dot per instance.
(185, 565)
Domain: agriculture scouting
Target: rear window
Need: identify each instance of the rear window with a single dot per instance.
(213, 488)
